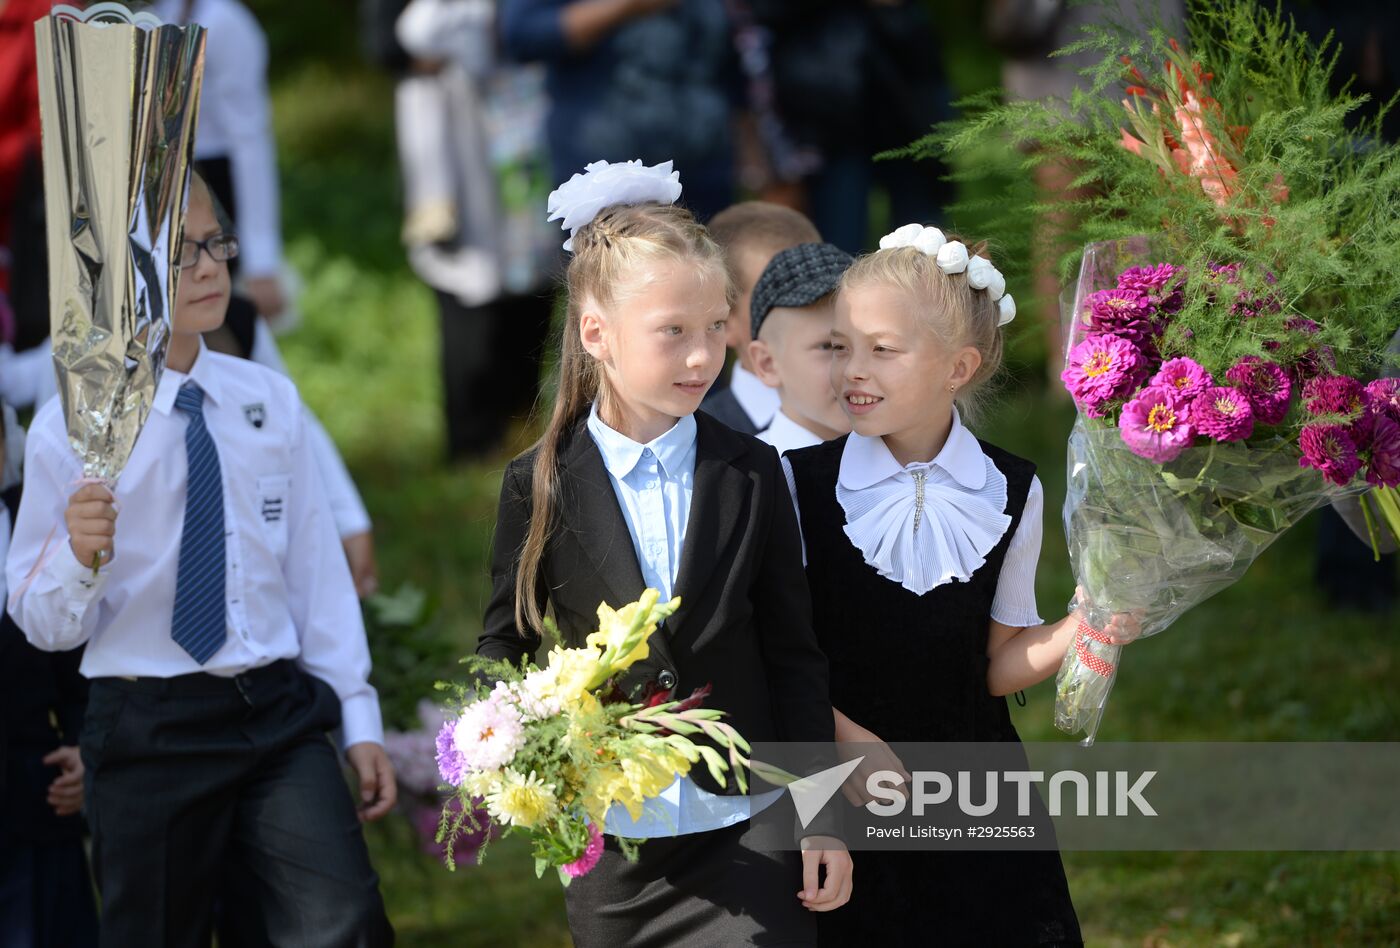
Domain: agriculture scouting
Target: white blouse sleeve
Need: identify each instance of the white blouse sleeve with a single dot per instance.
(1014, 604)
(792, 489)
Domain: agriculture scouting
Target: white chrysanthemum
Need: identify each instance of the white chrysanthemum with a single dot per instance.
(537, 695)
(521, 800)
(489, 733)
(603, 184)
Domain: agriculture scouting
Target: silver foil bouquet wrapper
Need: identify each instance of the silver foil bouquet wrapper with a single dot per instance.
(118, 99)
(1156, 539)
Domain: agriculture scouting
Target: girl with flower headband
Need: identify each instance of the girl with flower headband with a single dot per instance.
(630, 487)
(921, 541)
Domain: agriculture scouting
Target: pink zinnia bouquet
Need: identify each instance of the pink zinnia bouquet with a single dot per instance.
(1238, 251)
(1187, 461)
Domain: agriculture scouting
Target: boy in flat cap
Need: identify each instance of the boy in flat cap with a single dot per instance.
(792, 315)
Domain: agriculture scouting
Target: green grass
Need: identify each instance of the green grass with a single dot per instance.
(1266, 660)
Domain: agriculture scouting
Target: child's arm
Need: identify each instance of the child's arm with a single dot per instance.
(58, 531)
(326, 612)
(1021, 657)
(1021, 649)
(500, 637)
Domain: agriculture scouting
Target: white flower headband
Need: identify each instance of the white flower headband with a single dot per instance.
(580, 199)
(952, 257)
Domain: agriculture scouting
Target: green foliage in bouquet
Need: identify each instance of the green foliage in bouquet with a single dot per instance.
(1228, 143)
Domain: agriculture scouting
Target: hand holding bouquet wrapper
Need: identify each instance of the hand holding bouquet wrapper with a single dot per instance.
(1235, 227)
(548, 751)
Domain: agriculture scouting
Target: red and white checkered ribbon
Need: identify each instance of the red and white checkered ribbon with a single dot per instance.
(1091, 661)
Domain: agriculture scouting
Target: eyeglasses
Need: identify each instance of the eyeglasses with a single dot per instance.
(220, 247)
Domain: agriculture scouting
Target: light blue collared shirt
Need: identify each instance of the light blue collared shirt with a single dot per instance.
(654, 484)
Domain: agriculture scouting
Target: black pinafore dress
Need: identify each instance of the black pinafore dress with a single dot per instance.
(914, 668)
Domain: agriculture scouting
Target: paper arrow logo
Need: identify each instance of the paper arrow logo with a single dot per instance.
(810, 793)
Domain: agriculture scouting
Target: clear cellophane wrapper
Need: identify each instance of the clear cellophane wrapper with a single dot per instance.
(1155, 539)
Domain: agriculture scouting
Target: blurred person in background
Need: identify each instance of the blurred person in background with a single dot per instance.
(1027, 32)
(475, 180)
(833, 83)
(648, 79)
(236, 155)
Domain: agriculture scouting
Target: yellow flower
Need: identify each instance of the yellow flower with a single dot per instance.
(570, 674)
(522, 801)
(622, 634)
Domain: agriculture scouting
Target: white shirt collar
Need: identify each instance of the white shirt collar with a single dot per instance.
(866, 461)
(787, 435)
(620, 453)
(757, 400)
(923, 524)
(200, 373)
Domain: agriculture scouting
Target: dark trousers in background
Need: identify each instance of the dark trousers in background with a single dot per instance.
(1346, 569)
(195, 780)
(45, 895)
(490, 367)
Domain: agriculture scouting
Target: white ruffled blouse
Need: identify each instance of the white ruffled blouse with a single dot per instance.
(925, 524)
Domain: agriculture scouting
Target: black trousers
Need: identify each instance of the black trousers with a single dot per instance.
(490, 367)
(719, 889)
(196, 780)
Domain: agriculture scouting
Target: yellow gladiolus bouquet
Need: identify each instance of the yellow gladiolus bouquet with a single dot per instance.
(548, 751)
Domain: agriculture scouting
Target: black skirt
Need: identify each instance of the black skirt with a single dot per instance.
(700, 889)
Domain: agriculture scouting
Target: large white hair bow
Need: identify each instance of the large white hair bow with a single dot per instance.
(952, 257)
(577, 201)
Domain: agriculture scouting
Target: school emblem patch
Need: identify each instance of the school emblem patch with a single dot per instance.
(255, 414)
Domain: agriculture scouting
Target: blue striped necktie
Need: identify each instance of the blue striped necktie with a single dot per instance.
(198, 625)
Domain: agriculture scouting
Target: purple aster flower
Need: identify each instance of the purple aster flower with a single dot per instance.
(1383, 463)
(1100, 369)
(1223, 414)
(1383, 395)
(1186, 377)
(1265, 384)
(451, 764)
(1334, 395)
(1155, 424)
(1328, 449)
(1129, 314)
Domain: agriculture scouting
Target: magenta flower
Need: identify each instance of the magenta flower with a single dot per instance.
(1156, 424)
(1266, 385)
(451, 764)
(1146, 279)
(1383, 396)
(1383, 463)
(1186, 377)
(1223, 414)
(1100, 369)
(591, 854)
(1129, 314)
(1328, 449)
(1334, 395)
(1302, 324)
(1161, 282)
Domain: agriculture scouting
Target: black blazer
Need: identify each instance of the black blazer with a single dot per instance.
(745, 621)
